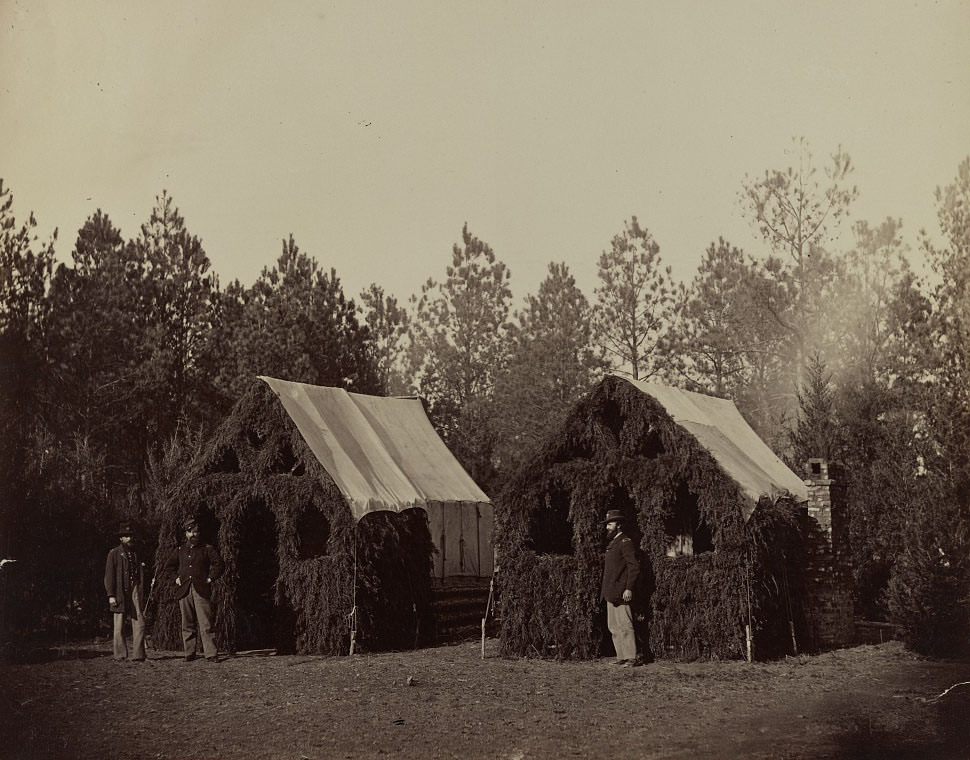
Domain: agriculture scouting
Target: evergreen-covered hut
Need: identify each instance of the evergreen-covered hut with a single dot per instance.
(324, 502)
(713, 510)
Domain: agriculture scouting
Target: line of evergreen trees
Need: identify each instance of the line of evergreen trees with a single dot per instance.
(113, 366)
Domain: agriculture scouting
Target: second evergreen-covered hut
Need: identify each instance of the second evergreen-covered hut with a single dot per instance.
(713, 510)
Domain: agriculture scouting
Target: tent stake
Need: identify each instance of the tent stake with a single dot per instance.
(488, 606)
(748, 631)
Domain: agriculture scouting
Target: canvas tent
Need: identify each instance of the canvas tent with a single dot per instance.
(383, 454)
(714, 512)
(323, 504)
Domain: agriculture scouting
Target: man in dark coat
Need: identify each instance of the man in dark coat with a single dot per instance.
(197, 566)
(620, 573)
(124, 582)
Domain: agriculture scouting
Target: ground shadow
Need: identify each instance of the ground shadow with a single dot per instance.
(948, 719)
(40, 655)
(866, 743)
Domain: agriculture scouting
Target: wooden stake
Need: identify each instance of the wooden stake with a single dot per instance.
(748, 630)
(488, 607)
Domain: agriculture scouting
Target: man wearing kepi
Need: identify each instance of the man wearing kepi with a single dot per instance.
(124, 581)
(198, 565)
(620, 573)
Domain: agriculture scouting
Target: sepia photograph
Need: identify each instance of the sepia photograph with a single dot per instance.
(496, 380)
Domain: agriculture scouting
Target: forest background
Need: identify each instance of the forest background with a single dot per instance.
(115, 366)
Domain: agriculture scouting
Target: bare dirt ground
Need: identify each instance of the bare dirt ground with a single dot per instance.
(446, 702)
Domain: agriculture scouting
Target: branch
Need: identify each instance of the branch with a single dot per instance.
(945, 691)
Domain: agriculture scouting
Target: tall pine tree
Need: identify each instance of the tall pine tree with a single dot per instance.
(458, 347)
(551, 364)
(634, 303)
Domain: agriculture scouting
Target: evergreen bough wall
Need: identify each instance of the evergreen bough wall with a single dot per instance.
(619, 449)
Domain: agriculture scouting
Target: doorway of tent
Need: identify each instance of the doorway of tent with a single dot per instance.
(260, 622)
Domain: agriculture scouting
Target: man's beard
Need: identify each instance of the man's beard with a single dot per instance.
(193, 540)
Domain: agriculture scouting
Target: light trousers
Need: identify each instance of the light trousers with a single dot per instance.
(197, 624)
(137, 617)
(619, 619)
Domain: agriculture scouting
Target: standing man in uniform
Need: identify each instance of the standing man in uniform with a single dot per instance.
(620, 573)
(197, 565)
(124, 582)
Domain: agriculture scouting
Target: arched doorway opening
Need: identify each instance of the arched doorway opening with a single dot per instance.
(260, 621)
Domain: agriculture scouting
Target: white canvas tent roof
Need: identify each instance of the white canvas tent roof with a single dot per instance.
(719, 427)
(383, 454)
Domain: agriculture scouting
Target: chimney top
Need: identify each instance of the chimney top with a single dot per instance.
(818, 469)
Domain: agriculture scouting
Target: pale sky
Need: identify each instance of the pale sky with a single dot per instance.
(373, 131)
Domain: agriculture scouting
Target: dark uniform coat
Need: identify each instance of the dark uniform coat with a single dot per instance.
(620, 570)
(195, 564)
(123, 573)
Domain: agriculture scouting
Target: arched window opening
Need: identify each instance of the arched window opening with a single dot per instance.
(652, 446)
(550, 530)
(286, 462)
(312, 533)
(613, 418)
(255, 438)
(687, 534)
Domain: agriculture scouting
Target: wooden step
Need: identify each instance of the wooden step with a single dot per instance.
(457, 606)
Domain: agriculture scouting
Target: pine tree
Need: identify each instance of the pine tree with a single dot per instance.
(552, 363)
(634, 303)
(817, 433)
(458, 347)
(173, 374)
(98, 324)
(388, 326)
(929, 588)
(797, 212)
(295, 323)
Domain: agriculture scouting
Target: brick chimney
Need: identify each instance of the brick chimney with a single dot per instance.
(830, 617)
(820, 495)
